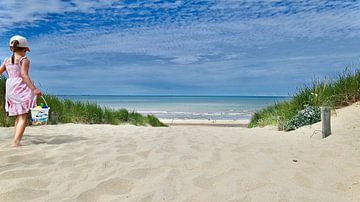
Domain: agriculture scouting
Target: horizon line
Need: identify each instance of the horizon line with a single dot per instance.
(172, 95)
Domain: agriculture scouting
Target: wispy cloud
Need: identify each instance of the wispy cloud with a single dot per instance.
(173, 46)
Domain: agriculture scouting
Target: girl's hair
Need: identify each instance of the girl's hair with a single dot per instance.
(15, 48)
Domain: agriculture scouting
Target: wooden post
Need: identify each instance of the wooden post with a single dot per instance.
(54, 117)
(325, 118)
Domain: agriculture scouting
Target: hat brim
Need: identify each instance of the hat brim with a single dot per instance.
(26, 48)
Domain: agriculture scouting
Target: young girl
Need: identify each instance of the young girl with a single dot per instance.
(20, 91)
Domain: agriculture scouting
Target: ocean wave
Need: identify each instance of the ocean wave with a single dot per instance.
(197, 115)
(236, 113)
(153, 112)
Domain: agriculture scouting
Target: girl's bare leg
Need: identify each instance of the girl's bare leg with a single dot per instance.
(16, 123)
(20, 126)
(17, 120)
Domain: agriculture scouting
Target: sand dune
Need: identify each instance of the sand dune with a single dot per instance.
(74, 162)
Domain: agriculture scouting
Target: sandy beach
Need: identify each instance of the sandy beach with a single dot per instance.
(74, 162)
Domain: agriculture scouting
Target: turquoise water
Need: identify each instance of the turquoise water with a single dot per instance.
(185, 107)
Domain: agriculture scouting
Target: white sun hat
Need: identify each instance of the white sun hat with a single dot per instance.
(23, 43)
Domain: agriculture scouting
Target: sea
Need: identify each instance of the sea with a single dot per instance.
(184, 107)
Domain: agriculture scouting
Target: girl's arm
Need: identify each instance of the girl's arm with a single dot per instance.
(26, 78)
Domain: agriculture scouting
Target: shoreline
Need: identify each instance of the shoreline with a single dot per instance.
(206, 122)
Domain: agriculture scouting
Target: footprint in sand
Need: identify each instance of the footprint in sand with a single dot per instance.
(36, 183)
(22, 194)
(268, 151)
(140, 173)
(194, 147)
(115, 186)
(188, 157)
(341, 187)
(328, 154)
(216, 155)
(17, 158)
(8, 166)
(168, 148)
(303, 181)
(246, 198)
(15, 174)
(31, 161)
(6, 152)
(144, 154)
(89, 195)
(125, 158)
(127, 148)
(146, 197)
(204, 182)
(61, 139)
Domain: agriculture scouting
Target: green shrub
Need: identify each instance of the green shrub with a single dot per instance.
(307, 116)
(153, 121)
(122, 115)
(136, 118)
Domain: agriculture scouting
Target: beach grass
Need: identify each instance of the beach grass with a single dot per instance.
(4, 120)
(336, 93)
(70, 111)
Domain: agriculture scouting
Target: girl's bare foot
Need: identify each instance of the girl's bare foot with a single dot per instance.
(16, 144)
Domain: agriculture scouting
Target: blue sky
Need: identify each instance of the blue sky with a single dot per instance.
(178, 47)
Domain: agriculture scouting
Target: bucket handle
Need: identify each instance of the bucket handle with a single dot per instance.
(35, 97)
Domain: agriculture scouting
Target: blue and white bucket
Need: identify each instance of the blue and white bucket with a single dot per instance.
(39, 116)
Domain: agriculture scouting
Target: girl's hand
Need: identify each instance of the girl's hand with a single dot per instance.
(37, 92)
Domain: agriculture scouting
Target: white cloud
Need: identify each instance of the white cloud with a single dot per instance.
(14, 13)
(188, 43)
(218, 43)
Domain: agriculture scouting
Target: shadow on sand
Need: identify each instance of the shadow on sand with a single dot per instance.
(58, 139)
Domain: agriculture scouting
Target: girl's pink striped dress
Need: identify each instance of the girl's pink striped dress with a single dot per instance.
(18, 96)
